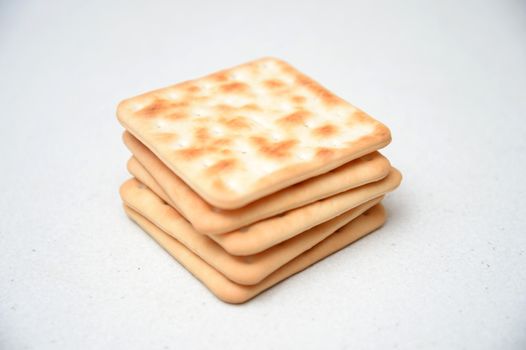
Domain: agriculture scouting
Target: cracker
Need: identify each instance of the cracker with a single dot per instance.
(243, 133)
(243, 270)
(234, 293)
(210, 220)
(139, 172)
(264, 234)
(267, 233)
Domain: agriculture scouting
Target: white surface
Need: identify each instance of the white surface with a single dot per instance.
(447, 271)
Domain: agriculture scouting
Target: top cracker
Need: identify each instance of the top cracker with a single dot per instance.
(242, 133)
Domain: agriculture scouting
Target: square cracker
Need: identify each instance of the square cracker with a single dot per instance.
(210, 220)
(240, 134)
(235, 293)
(246, 270)
(259, 236)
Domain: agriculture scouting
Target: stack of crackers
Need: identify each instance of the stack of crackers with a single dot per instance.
(251, 174)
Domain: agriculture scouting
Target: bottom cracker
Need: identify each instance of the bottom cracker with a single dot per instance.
(249, 269)
(234, 293)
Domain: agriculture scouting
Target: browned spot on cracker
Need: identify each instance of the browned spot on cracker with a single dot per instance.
(202, 134)
(251, 107)
(273, 149)
(190, 153)
(296, 118)
(221, 142)
(305, 81)
(176, 116)
(219, 185)
(180, 104)
(286, 68)
(273, 83)
(324, 153)
(258, 140)
(317, 89)
(222, 166)
(234, 87)
(359, 117)
(192, 89)
(224, 108)
(220, 76)
(235, 123)
(328, 98)
(325, 130)
(155, 107)
(298, 99)
(325, 96)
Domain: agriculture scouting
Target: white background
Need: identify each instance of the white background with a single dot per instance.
(448, 270)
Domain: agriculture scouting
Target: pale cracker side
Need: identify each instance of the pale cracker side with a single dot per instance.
(269, 232)
(210, 220)
(264, 234)
(140, 173)
(243, 270)
(234, 293)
